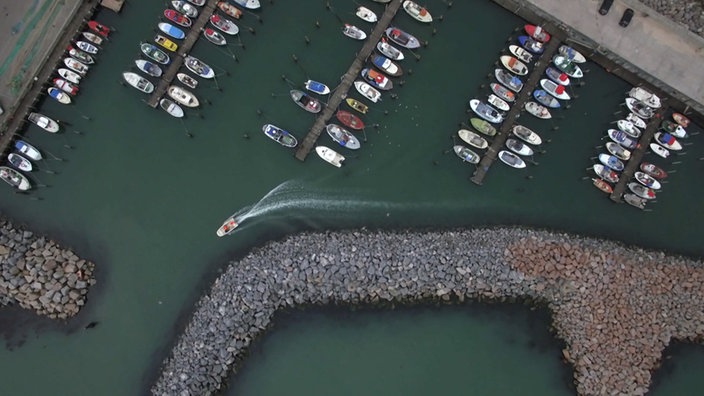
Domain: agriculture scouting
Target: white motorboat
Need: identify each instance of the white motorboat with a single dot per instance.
(171, 107)
(366, 14)
(43, 122)
(527, 135)
(138, 82)
(182, 96)
(473, 139)
(330, 156)
(367, 91)
(518, 147)
(511, 159)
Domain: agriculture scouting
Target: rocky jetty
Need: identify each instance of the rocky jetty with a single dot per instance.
(615, 307)
(38, 274)
(689, 13)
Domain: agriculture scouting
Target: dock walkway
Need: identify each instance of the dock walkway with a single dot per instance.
(521, 98)
(348, 78)
(632, 165)
(183, 49)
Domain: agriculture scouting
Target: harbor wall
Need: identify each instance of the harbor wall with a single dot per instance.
(615, 307)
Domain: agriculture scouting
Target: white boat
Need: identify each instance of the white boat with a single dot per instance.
(639, 108)
(389, 50)
(520, 53)
(249, 4)
(28, 150)
(70, 75)
(417, 12)
(198, 67)
(619, 152)
(171, 107)
(466, 155)
(508, 80)
(622, 138)
(93, 38)
(317, 87)
(354, 32)
(342, 136)
(514, 65)
(473, 139)
(611, 162)
(668, 141)
(330, 156)
(645, 96)
(20, 162)
(366, 14)
(182, 96)
(511, 159)
(556, 90)
(224, 25)
(76, 66)
(628, 128)
(634, 200)
(87, 47)
(659, 150)
(498, 103)
(14, 178)
(527, 135)
(227, 227)
(571, 54)
(647, 180)
(188, 10)
(537, 110)
(641, 190)
(138, 82)
(367, 91)
(61, 96)
(605, 173)
(557, 76)
(44, 122)
(485, 111)
(518, 147)
(637, 121)
(187, 80)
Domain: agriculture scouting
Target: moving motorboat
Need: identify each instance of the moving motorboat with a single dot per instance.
(227, 227)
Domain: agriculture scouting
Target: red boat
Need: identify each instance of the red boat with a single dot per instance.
(229, 9)
(652, 170)
(350, 120)
(603, 186)
(65, 86)
(681, 119)
(177, 18)
(537, 33)
(99, 28)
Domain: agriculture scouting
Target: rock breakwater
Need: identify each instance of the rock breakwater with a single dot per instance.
(38, 274)
(614, 306)
(689, 13)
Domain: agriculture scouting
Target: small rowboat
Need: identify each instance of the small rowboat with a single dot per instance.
(571, 54)
(165, 43)
(527, 135)
(639, 108)
(76, 66)
(514, 65)
(531, 45)
(279, 135)
(187, 80)
(485, 111)
(554, 89)
(59, 95)
(473, 139)
(367, 91)
(171, 107)
(229, 9)
(80, 55)
(177, 18)
(508, 80)
(634, 200)
(482, 126)
(648, 98)
(611, 162)
(148, 67)
(668, 141)
(199, 67)
(224, 25)
(305, 101)
(99, 28)
(184, 8)
(511, 159)
(502, 92)
(537, 33)
(227, 227)
(466, 154)
(317, 87)
(637, 121)
(402, 38)
(498, 103)
(342, 137)
(20, 162)
(389, 50)
(681, 119)
(357, 105)
(92, 38)
(546, 99)
(366, 14)
(65, 86)
(172, 30)
(557, 76)
(618, 151)
(641, 190)
(376, 79)
(349, 120)
(387, 65)
(138, 82)
(151, 51)
(43, 122)
(537, 110)
(520, 53)
(417, 12)
(28, 150)
(69, 75)
(87, 47)
(330, 156)
(673, 128)
(602, 185)
(214, 36)
(14, 178)
(567, 67)
(628, 128)
(354, 32)
(652, 170)
(518, 147)
(182, 96)
(605, 173)
(622, 138)
(647, 181)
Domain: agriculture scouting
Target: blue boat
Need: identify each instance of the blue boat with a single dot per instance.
(279, 135)
(546, 99)
(387, 65)
(317, 87)
(531, 45)
(172, 30)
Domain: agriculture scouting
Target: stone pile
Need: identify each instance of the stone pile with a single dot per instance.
(689, 13)
(38, 274)
(616, 308)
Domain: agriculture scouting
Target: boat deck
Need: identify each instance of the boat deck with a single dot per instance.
(194, 32)
(633, 164)
(522, 97)
(340, 93)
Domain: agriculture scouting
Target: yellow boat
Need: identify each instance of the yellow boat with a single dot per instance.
(357, 105)
(166, 43)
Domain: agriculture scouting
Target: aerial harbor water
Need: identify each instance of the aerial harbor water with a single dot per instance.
(141, 194)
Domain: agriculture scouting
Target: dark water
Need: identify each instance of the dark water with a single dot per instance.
(139, 197)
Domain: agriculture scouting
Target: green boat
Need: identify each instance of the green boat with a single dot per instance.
(154, 53)
(483, 126)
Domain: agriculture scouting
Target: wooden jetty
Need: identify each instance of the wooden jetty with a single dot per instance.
(336, 97)
(184, 48)
(521, 98)
(633, 164)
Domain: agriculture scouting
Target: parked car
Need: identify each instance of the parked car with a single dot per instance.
(626, 18)
(605, 6)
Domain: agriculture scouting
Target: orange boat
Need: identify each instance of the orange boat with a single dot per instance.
(350, 120)
(603, 186)
(681, 119)
(229, 9)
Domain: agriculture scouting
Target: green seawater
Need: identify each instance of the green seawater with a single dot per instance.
(126, 187)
